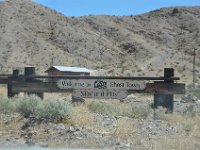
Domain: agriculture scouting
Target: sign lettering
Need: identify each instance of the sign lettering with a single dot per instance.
(103, 84)
(105, 94)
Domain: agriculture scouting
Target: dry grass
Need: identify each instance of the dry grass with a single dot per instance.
(123, 129)
(3, 90)
(81, 117)
(11, 126)
(187, 140)
(64, 96)
(180, 142)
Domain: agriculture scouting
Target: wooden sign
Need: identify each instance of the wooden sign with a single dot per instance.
(103, 84)
(100, 94)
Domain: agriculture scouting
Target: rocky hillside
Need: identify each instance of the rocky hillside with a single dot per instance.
(31, 34)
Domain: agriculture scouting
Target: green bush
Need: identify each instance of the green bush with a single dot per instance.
(195, 92)
(53, 110)
(31, 105)
(6, 105)
(27, 105)
(50, 110)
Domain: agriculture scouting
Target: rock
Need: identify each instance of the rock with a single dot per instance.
(60, 126)
(198, 101)
(189, 98)
(128, 99)
(127, 145)
(79, 138)
(71, 129)
(77, 133)
(30, 142)
(45, 145)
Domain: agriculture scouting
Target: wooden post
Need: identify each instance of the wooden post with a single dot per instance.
(165, 100)
(9, 86)
(15, 73)
(28, 71)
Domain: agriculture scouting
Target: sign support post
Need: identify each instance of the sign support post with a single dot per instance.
(165, 100)
(9, 85)
(31, 71)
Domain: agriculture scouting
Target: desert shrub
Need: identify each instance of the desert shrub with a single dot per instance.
(131, 111)
(27, 105)
(195, 92)
(175, 11)
(6, 106)
(53, 110)
(104, 108)
(189, 111)
(139, 112)
(160, 114)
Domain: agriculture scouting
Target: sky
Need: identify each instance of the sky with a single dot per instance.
(111, 7)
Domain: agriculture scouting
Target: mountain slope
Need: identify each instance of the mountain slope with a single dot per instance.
(31, 34)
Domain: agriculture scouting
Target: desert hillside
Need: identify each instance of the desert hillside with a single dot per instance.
(31, 35)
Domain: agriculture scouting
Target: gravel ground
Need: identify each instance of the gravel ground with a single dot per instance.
(28, 132)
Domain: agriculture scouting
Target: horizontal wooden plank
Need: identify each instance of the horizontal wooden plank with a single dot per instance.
(37, 87)
(4, 80)
(5, 75)
(103, 77)
(164, 88)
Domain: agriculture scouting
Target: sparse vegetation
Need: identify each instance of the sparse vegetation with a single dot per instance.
(168, 32)
(195, 92)
(105, 108)
(27, 105)
(6, 106)
(131, 111)
(52, 110)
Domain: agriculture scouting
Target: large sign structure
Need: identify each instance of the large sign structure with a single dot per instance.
(100, 88)
(163, 88)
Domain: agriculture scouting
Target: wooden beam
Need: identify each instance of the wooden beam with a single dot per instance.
(154, 88)
(37, 87)
(4, 80)
(163, 88)
(102, 77)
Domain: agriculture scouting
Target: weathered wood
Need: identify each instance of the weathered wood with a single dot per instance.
(102, 77)
(5, 75)
(162, 88)
(4, 80)
(154, 88)
(10, 93)
(29, 71)
(166, 100)
(12, 79)
(168, 73)
(41, 95)
(15, 73)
